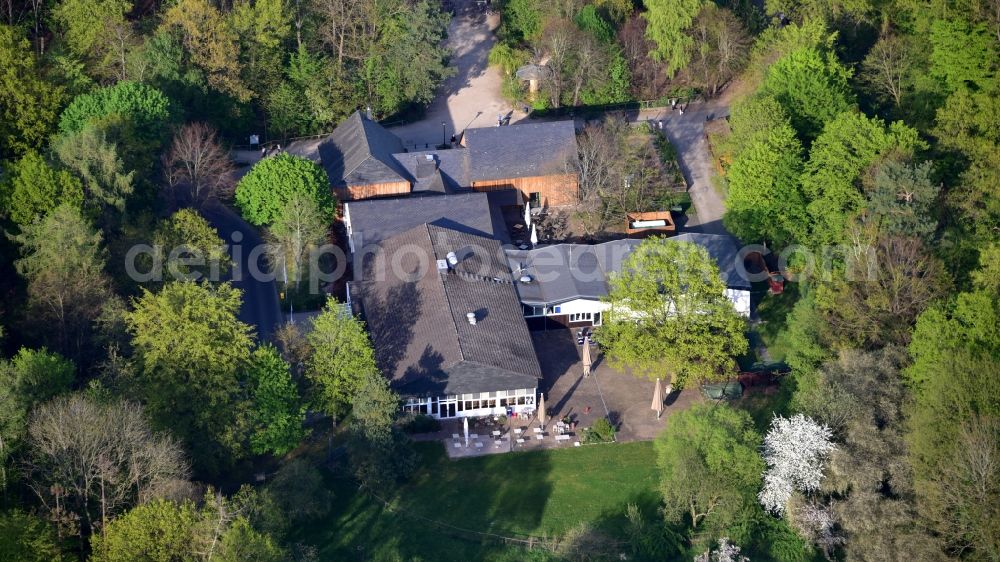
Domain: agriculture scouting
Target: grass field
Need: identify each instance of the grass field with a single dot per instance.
(516, 495)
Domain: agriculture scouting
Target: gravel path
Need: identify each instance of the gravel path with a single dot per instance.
(472, 97)
(687, 133)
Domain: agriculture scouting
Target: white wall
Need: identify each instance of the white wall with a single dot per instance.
(740, 299)
(578, 306)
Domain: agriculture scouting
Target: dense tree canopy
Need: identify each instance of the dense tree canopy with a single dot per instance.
(168, 531)
(191, 349)
(29, 104)
(185, 237)
(812, 86)
(141, 107)
(63, 264)
(276, 412)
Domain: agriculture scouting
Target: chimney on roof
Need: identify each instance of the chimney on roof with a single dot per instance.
(471, 317)
(368, 112)
(452, 259)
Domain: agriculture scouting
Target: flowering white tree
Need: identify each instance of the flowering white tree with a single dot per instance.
(727, 552)
(794, 450)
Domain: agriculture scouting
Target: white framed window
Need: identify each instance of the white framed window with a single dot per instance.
(581, 317)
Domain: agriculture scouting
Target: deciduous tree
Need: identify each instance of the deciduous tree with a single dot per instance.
(90, 461)
(29, 104)
(28, 538)
(341, 361)
(211, 43)
(190, 350)
(885, 284)
(849, 144)
(107, 183)
(709, 465)
(32, 188)
(812, 86)
(668, 26)
(956, 404)
(168, 531)
(63, 264)
(299, 228)
(184, 235)
(886, 66)
(276, 412)
(795, 450)
(28, 379)
(264, 192)
(670, 316)
(765, 200)
(197, 168)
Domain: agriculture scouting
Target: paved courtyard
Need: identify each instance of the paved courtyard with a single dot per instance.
(625, 399)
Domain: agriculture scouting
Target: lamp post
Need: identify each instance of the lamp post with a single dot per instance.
(444, 138)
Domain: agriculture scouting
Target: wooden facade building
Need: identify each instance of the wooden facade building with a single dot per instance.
(364, 161)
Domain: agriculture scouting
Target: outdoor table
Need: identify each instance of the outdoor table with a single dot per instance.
(479, 445)
(537, 430)
(496, 433)
(520, 441)
(474, 436)
(562, 437)
(518, 431)
(498, 443)
(458, 445)
(576, 443)
(454, 436)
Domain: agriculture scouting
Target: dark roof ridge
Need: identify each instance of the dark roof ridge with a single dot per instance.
(447, 297)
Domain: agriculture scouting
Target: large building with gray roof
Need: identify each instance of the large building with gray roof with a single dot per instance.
(536, 160)
(446, 323)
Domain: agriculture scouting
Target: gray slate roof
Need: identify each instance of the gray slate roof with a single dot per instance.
(522, 150)
(564, 272)
(446, 172)
(359, 152)
(416, 315)
(362, 152)
(374, 220)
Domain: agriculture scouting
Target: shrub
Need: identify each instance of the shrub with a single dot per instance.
(420, 423)
(601, 432)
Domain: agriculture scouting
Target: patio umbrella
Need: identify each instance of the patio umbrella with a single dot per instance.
(586, 358)
(465, 425)
(534, 236)
(541, 409)
(658, 399)
(527, 214)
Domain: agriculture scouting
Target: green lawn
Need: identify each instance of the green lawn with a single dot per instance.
(518, 494)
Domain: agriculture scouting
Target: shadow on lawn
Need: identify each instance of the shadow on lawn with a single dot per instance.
(645, 536)
(448, 510)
